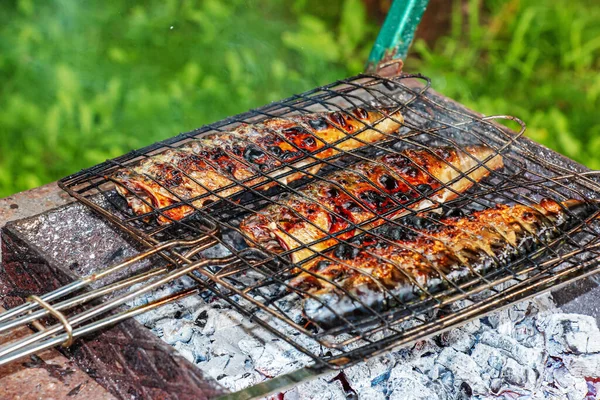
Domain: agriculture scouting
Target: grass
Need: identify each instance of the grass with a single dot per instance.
(86, 82)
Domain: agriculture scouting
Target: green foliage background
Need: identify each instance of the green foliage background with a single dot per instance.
(537, 60)
(83, 81)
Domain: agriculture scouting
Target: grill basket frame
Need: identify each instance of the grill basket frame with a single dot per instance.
(526, 179)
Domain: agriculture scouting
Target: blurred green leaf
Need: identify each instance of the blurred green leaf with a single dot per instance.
(313, 40)
(353, 25)
(83, 83)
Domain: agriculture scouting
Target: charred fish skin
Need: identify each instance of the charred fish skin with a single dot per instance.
(396, 266)
(363, 192)
(260, 150)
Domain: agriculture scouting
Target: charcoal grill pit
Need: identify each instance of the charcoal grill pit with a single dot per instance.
(524, 162)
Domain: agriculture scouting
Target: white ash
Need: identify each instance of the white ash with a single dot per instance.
(530, 349)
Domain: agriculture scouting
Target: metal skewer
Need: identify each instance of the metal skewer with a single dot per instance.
(36, 341)
(95, 326)
(85, 281)
(81, 299)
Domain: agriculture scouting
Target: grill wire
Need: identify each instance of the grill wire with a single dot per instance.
(256, 281)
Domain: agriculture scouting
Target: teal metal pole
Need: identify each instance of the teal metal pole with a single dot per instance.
(397, 32)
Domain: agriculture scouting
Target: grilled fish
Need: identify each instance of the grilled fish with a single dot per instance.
(363, 192)
(215, 163)
(379, 272)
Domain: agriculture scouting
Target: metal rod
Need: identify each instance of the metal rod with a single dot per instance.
(82, 298)
(83, 282)
(112, 303)
(95, 326)
(277, 384)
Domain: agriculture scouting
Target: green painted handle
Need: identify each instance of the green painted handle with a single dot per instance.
(398, 31)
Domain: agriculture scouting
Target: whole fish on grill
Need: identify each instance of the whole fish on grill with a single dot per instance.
(379, 272)
(269, 148)
(363, 192)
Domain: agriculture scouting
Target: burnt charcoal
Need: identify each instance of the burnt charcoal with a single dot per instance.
(424, 189)
(389, 182)
(402, 197)
(275, 150)
(420, 223)
(201, 319)
(346, 252)
(454, 213)
(254, 154)
(373, 198)
(465, 391)
(309, 142)
(318, 124)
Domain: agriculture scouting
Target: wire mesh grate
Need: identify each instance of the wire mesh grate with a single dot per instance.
(260, 281)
